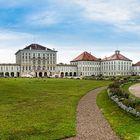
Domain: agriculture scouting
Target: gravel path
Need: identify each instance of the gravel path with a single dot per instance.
(135, 89)
(91, 124)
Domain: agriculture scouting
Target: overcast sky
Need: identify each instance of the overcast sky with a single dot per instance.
(71, 27)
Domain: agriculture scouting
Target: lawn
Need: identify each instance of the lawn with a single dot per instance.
(126, 88)
(124, 124)
(41, 109)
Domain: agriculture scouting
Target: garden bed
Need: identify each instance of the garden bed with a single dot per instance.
(123, 99)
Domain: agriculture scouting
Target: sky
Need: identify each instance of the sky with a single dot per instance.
(71, 27)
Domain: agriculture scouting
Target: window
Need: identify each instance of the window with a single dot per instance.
(39, 62)
(43, 62)
(33, 62)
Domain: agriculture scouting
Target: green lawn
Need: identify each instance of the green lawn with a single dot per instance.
(40, 109)
(125, 125)
(126, 89)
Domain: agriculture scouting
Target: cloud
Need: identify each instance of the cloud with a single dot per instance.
(13, 41)
(108, 11)
(9, 37)
(120, 14)
(43, 18)
(10, 42)
(52, 13)
(131, 27)
(69, 52)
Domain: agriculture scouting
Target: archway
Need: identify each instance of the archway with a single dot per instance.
(70, 73)
(36, 74)
(12, 74)
(40, 74)
(45, 74)
(62, 74)
(74, 74)
(1, 74)
(66, 73)
(7, 74)
(18, 74)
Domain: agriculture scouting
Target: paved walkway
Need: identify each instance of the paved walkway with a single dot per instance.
(91, 124)
(135, 89)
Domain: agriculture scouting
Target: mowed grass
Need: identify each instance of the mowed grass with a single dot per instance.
(41, 109)
(126, 89)
(124, 124)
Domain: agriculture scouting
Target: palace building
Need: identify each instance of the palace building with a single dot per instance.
(38, 61)
(117, 64)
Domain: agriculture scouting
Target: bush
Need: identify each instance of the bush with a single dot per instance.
(89, 78)
(137, 108)
(131, 102)
(137, 101)
(114, 85)
(125, 95)
(116, 91)
(113, 78)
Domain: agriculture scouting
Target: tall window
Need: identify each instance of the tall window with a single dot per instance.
(39, 62)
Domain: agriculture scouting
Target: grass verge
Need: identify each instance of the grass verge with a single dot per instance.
(125, 125)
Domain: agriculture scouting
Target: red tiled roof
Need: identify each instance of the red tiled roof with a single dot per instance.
(137, 64)
(85, 56)
(117, 56)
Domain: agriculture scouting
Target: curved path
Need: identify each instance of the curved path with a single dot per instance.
(91, 124)
(135, 90)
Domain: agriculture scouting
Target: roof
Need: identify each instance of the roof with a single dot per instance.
(36, 47)
(85, 56)
(117, 56)
(137, 64)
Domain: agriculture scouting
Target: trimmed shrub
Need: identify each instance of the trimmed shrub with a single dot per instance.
(116, 91)
(114, 85)
(137, 108)
(125, 95)
(128, 103)
(137, 102)
(131, 102)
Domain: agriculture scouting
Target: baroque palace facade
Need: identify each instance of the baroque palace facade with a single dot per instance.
(39, 61)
